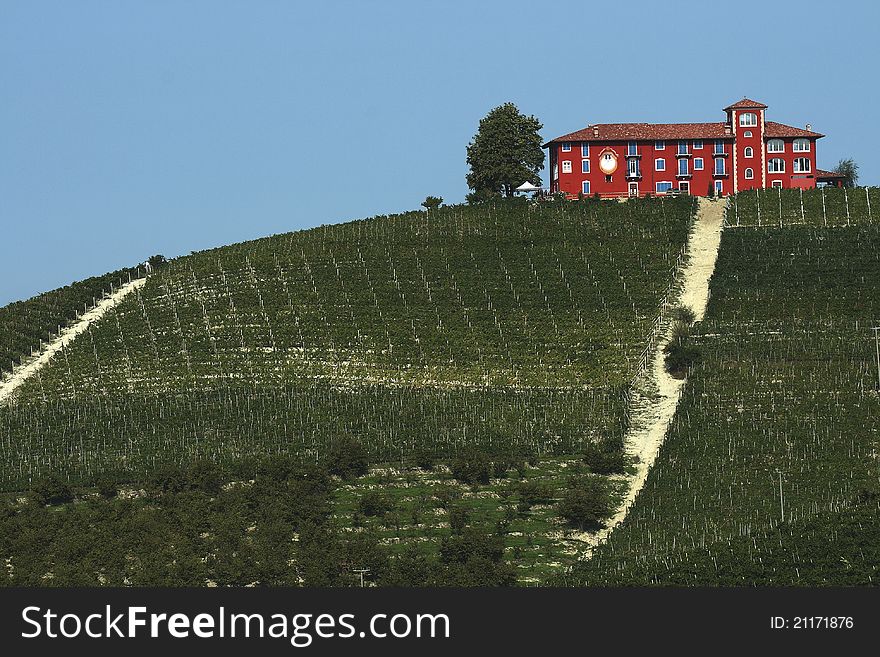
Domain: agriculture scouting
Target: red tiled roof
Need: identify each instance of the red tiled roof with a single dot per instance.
(746, 103)
(673, 131)
(646, 131)
(821, 173)
(773, 129)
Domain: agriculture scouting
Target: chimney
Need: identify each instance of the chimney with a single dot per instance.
(809, 127)
(727, 129)
(595, 131)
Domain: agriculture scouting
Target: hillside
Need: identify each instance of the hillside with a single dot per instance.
(769, 474)
(501, 327)
(455, 373)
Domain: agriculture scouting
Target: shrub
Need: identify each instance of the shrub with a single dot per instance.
(606, 457)
(51, 490)
(586, 502)
(445, 495)
(107, 486)
(531, 493)
(280, 467)
(683, 314)
(482, 196)
(168, 478)
(680, 355)
(205, 476)
(374, 503)
(474, 558)
(424, 458)
(157, 261)
(432, 202)
(472, 466)
(680, 358)
(348, 459)
(458, 518)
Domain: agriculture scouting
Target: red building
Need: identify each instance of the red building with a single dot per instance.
(633, 159)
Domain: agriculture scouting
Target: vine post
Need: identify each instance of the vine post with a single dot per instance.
(876, 330)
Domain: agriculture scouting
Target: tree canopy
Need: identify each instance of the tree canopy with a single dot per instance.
(849, 170)
(505, 152)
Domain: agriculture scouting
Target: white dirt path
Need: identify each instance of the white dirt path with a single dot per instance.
(68, 335)
(653, 411)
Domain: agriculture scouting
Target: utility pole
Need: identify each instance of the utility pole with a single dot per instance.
(361, 572)
(876, 329)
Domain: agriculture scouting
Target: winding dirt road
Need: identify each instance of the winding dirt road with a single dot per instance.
(656, 398)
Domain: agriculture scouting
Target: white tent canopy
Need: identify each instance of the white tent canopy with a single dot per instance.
(528, 187)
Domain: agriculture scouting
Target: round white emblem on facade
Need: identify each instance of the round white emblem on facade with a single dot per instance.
(608, 161)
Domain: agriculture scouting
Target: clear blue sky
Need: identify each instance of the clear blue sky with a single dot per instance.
(132, 128)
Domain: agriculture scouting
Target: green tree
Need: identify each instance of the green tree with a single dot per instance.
(374, 503)
(505, 152)
(849, 170)
(586, 502)
(471, 466)
(348, 459)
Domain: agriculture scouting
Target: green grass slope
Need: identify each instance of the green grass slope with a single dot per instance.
(507, 326)
(786, 392)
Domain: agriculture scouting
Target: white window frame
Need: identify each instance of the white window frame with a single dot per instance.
(748, 152)
(719, 187)
(682, 148)
(585, 150)
(663, 182)
(633, 168)
(585, 166)
(566, 146)
(632, 148)
(775, 142)
(719, 147)
(555, 171)
(698, 164)
(747, 133)
(697, 144)
(748, 120)
(660, 164)
(770, 165)
(800, 141)
(715, 171)
(585, 188)
(750, 174)
(566, 166)
(796, 168)
(679, 167)
(659, 145)
(776, 184)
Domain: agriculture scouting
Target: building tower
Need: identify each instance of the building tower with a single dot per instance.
(746, 119)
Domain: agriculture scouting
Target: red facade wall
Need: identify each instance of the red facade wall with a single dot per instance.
(700, 181)
(789, 178)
